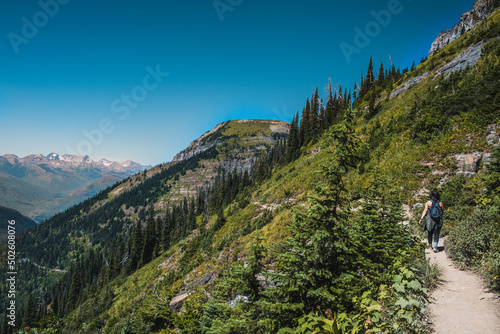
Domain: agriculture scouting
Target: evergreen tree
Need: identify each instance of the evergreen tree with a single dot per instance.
(318, 269)
(192, 213)
(370, 78)
(167, 231)
(305, 124)
(322, 117)
(381, 77)
(136, 247)
(362, 86)
(149, 242)
(330, 105)
(381, 234)
(29, 317)
(314, 118)
(293, 144)
(75, 285)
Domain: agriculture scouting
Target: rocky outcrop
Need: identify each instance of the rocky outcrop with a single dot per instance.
(199, 145)
(176, 303)
(468, 164)
(401, 89)
(482, 8)
(493, 137)
(469, 57)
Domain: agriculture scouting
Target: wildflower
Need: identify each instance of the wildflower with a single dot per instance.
(489, 269)
(495, 277)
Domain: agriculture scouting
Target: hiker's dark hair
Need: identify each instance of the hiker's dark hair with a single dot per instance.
(435, 194)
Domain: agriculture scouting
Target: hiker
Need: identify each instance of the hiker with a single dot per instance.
(434, 220)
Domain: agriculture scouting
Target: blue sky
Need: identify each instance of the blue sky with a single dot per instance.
(139, 80)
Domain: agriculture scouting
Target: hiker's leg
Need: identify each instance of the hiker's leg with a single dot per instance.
(429, 237)
(437, 229)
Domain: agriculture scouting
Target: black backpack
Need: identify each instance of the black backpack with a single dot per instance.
(435, 211)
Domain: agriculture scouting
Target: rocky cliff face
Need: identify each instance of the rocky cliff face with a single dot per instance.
(482, 8)
(237, 143)
(244, 135)
(199, 145)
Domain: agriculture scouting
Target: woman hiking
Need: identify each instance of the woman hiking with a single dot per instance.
(434, 210)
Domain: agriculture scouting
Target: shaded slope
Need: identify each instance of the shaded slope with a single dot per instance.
(21, 222)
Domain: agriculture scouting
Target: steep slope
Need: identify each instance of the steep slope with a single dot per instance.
(21, 222)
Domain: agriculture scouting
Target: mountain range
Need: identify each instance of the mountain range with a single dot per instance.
(40, 186)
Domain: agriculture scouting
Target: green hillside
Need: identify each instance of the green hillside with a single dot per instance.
(319, 233)
(21, 222)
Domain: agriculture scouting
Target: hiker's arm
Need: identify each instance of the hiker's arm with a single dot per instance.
(424, 213)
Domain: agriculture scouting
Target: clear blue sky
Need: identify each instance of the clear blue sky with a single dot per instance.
(67, 70)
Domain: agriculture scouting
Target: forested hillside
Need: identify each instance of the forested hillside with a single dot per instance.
(314, 231)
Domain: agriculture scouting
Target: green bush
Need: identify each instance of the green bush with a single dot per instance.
(471, 240)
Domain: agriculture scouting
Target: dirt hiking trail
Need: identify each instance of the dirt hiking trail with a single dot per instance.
(463, 303)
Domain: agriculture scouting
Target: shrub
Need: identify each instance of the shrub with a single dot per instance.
(471, 240)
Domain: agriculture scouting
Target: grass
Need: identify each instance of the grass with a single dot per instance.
(431, 274)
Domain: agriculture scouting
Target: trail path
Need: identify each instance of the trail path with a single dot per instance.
(462, 302)
(45, 268)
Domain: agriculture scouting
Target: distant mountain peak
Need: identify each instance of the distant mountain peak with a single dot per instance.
(53, 156)
(40, 185)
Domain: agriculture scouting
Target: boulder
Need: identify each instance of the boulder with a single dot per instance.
(176, 303)
(468, 164)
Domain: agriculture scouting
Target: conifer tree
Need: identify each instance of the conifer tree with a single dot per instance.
(362, 86)
(75, 285)
(314, 118)
(305, 124)
(293, 144)
(166, 231)
(381, 76)
(136, 247)
(313, 273)
(370, 78)
(330, 105)
(192, 212)
(381, 233)
(322, 117)
(149, 242)
(29, 317)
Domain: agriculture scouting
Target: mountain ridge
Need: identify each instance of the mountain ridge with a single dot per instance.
(468, 20)
(58, 180)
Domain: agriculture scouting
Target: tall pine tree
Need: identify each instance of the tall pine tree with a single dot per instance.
(317, 269)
